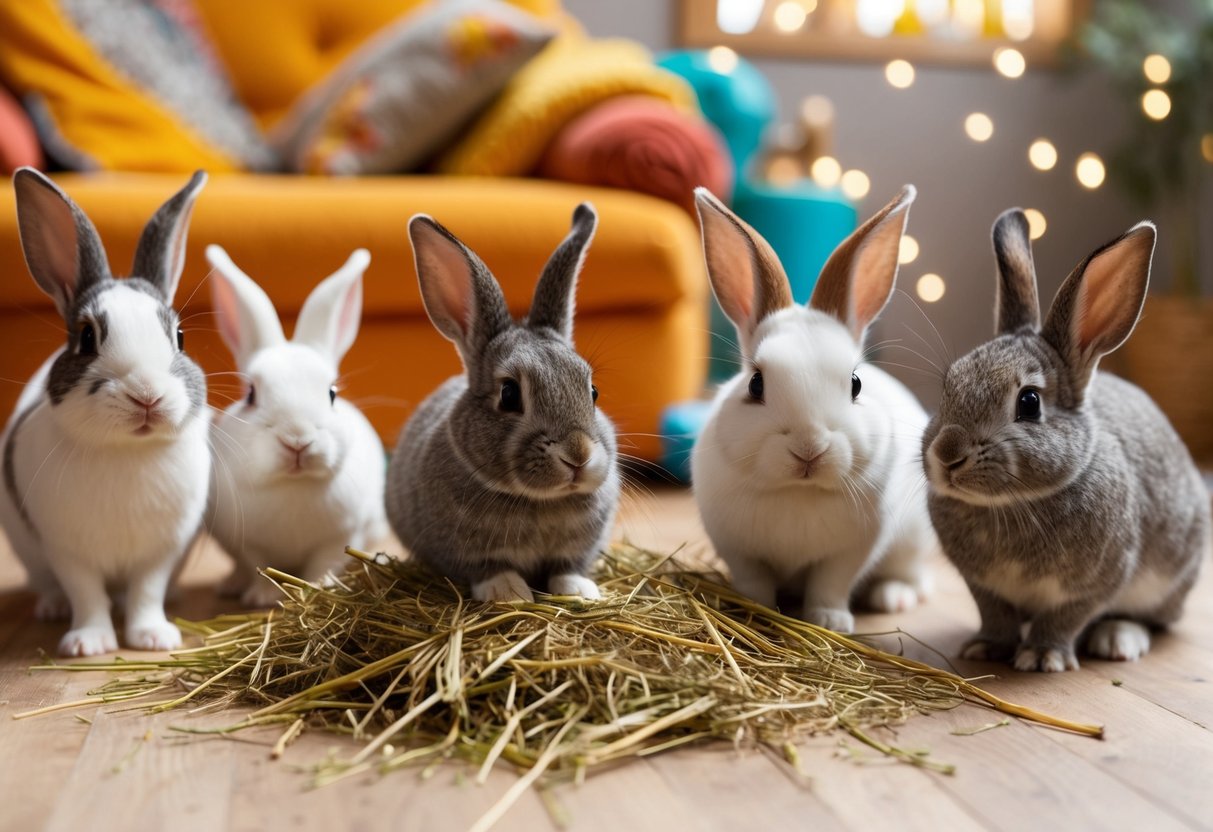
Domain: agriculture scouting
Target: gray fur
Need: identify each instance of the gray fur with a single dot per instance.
(552, 305)
(462, 480)
(1104, 497)
(160, 254)
(1018, 306)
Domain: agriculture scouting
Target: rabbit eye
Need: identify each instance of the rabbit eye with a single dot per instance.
(593, 393)
(1027, 408)
(856, 386)
(756, 389)
(88, 339)
(511, 396)
(333, 395)
(251, 399)
(181, 339)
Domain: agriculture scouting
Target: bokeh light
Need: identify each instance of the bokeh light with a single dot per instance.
(1009, 62)
(855, 184)
(979, 127)
(722, 59)
(1036, 223)
(1156, 104)
(1090, 171)
(1206, 147)
(1156, 68)
(826, 171)
(930, 287)
(907, 252)
(1042, 154)
(899, 73)
(789, 16)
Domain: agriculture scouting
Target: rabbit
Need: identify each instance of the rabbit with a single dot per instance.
(505, 478)
(299, 471)
(105, 458)
(1062, 494)
(806, 473)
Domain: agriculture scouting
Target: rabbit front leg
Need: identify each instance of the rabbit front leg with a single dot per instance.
(827, 593)
(1049, 646)
(999, 634)
(753, 579)
(92, 631)
(147, 627)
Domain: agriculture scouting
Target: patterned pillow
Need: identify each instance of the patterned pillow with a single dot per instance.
(126, 84)
(396, 101)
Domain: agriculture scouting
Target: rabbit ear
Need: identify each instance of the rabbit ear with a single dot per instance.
(746, 275)
(857, 281)
(552, 305)
(1098, 305)
(247, 320)
(62, 248)
(160, 256)
(461, 296)
(1017, 305)
(330, 316)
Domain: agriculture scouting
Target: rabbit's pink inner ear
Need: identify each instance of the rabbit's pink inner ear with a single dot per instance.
(1112, 292)
(348, 318)
(227, 311)
(446, 279)
(48, 232)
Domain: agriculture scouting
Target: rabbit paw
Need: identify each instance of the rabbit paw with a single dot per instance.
(88, 641)
(578, 585)
(840, 621)
(52, 606)
(504, 587)
(154, 635)
(261, 595)
(984, 650)
(1119, 641)
(1045, 659)
(893, 596)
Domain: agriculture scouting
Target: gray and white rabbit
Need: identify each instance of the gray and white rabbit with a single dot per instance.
(299, 470)
(105, 459)
(1062, 494)
(505, 478)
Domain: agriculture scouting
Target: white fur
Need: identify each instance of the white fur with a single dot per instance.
(111, 506)
(505, 587)
(1119, 640)
(862, 502)
(294, 510)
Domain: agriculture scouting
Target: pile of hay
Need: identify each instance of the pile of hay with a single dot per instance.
(413, 671)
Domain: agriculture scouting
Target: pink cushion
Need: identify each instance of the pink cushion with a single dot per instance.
(641, 144)
(18, 142)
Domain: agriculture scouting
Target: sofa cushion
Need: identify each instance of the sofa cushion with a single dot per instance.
(405, 92)
(126, 85)
(291, 231)
(310, 38)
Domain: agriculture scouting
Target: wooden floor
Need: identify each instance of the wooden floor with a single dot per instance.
(94, 769)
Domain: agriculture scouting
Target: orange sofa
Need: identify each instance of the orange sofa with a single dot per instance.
(642, 300)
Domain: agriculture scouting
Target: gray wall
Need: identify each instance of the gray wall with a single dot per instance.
(917, 136)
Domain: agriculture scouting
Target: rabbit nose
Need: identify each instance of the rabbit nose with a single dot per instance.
(295, 446)
(145, 400)
(951, 448)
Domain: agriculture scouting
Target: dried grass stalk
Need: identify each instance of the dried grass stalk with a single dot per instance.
(399, 660)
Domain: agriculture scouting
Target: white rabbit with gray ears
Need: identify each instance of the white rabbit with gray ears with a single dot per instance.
(806, 472)
(105, 458)
(505, 478)
(299, 470)
(1062, 494)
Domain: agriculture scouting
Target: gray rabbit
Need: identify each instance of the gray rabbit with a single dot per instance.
(1062, 494)
(505, 477)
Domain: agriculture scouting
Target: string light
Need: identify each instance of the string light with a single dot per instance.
(826, 171)
(1042, 154)
(1009, 62)
(1036, 223)
(855, 184)
(907, 252)
(899, 73)
(930, 287)
(789, 16)
(979, 127)
(1156, 68)
(1156, 104)
(722, 59)
(1090, 171)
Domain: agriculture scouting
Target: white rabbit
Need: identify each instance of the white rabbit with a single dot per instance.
(299, 470)
(806, 473)
(105, 458)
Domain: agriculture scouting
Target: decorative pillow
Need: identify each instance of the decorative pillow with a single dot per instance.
(18, 143)
(641, 144)
(126, 84)
(407, 91)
